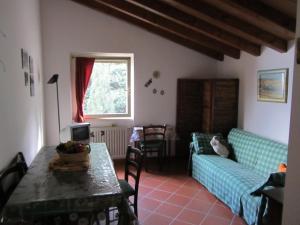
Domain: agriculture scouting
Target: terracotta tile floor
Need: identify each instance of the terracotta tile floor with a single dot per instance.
(173, 198)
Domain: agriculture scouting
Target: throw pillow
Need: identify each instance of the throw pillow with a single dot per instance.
(282, 167)
(218, 147)
(201, 143)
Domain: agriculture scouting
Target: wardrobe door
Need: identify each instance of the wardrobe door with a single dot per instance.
(189, 112)
(225, 105)
(207, 123)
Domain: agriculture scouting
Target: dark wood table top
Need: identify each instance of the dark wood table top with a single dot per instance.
(42, 191)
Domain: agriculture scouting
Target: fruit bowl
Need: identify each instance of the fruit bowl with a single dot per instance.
(73, 151)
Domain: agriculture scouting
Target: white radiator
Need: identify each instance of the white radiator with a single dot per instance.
(116, 139)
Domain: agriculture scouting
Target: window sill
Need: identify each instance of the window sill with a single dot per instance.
(109, 118)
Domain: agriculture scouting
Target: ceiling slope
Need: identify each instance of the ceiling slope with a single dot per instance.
(212, 27)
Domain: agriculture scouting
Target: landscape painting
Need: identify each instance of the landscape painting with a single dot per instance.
(272, 85)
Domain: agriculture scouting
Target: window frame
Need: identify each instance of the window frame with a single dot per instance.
(128, 57)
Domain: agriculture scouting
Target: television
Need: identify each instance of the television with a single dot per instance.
(79, 132)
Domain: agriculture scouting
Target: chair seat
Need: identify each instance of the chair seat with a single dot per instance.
(126, 188)
(152, 144)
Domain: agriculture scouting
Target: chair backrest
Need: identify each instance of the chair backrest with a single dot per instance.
(133, 165)
(154, 132)
(20, 161)
(11, 176)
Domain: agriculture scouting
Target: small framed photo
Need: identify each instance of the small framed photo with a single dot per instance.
(24, 58)
(30, 64)
(26, 78)
(272, 85)
(31, 85)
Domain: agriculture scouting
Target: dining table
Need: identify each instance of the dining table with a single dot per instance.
(43, 192)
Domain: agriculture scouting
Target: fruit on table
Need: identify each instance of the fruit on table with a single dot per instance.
(72, 147)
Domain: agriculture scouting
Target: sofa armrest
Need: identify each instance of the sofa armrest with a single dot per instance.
(274, 180)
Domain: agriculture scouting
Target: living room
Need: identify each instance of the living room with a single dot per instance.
(54, 31)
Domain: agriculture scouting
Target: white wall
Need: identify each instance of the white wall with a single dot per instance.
(291, 215)
(22, 120)
(69, 27)
(265, 118)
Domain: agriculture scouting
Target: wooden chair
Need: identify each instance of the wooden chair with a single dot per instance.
(133, 168)
(154, 142)
(10, 177)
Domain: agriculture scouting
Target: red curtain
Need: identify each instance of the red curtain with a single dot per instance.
(84, 68)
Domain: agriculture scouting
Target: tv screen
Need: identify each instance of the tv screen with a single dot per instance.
(80, 132)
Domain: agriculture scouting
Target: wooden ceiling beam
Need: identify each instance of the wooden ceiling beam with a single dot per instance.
(198, 25)
(230, 23)
(259, 14)
(218, 55)
(170, 26)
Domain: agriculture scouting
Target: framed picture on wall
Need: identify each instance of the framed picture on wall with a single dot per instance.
(26, 78)
(31, 82)
(24, 58)
(272, 85)
(30, 64)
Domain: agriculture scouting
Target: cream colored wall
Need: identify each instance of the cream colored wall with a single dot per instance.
(72, 28)
(22, 116)
(271, 120)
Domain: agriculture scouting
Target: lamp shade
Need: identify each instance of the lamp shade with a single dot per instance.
(53, 79)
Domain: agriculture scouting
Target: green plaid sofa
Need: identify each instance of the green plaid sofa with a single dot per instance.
(233, 181)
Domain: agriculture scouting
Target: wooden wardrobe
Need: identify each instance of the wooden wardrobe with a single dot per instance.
(205, 105)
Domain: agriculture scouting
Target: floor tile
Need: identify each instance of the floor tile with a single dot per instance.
(168, 187)
(238, 221)
(187, 191)
(191, 216)
(199, 205)
(176, 181)
(204, 195)
(168, 210)
(151, 182)
(159, 195)
(179, 222)
(179, 200)
(150, 204)
(143, 190)
(172, 198)
(212, 220)
(221, 211)
(156, 219)
(192, 183)
(143, 214)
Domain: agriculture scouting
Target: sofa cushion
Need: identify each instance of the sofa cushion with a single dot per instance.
(201, 143)
(228, 180)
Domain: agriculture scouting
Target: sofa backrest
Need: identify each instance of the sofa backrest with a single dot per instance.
(261, 154)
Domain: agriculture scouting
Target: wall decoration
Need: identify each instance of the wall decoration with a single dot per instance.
(156, 74)
(31, 86)
(272, 85)
(26, 78)
(30, 64)
(162, 92)
(154, 91)
(148, 83)
(24, 57)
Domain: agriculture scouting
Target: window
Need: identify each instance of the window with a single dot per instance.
(109, 91)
